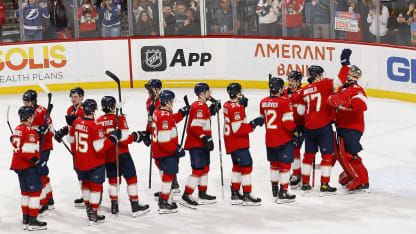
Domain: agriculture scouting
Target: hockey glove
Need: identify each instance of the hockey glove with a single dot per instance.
(42, 130)
(70, 119)
(146, 137)
(184, 110)
(336, 100)
(180, 152)
(137, 136)
(259, 121)
(345, 57)
(243, 101)
(151, 109)
(214, 107)
(115, 136)
(11, 139)
(34, 160)
(60, 134)
(208, 142)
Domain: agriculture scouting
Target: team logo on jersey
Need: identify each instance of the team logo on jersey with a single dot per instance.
(165, 125)
(32, 138)
(199, 114)
(101, 134)
(237, 116)
(32, 14)
(153, 58)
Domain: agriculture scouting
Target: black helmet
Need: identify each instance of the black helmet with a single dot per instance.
(315, 70)
(89, 106)
(30, 96)
(77, 90)
(25, 112)
(108, 103)
(233, 89)
(276, 84)
(201, 88)
(165, 96)
(153, 83)
(296, 75)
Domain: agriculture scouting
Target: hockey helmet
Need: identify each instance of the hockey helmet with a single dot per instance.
(77, 90)
(153, 83)
(89, 106)
(25, 112)
(233, 89)
(296, 75)
(30, 96)
(276, 84)
(165, 96)
(315, 70)
(108, 103)
(354, 73)
(201, 88)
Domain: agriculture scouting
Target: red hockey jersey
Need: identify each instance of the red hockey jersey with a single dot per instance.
(294, 98)
(38, 120)
(236, 128)
(164, 133)
(108, 122)
(88, 142)
(350, 116)
(199, 124)
(278, 118)
(148, 103)
(79, 112)
(25, 146)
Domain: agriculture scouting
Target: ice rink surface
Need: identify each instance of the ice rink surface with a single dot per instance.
(389, 154)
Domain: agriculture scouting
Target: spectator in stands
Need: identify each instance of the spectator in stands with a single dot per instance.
(372, 20)
(412, 22)
(87, 16)
(402, 11)
(142, 5)
(33, 13)
(192, 26)
(110, 11)
(60, 20)
(169, 21)
(224, 18)
(269, 13)
(294, 17)
(180, 15)
(320, 18)
(353, 8)
(145, 25)
(2, 18)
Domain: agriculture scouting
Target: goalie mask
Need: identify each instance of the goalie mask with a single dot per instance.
(354, 73)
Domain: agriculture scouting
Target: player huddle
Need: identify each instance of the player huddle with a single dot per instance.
(100, 149)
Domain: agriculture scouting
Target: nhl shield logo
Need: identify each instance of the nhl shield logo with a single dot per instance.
(153, 58)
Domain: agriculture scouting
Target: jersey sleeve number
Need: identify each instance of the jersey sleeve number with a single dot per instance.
(308, 99)
(81, 144)
(227, 127)
(270, 120)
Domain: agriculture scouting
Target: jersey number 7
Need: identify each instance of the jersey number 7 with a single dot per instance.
(310, 104)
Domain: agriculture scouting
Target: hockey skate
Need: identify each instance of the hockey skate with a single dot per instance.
(79, 203)
(175, 186)
(93, 217)
(205, 199)
(51, 204)
(285, 197)
(137, 209)
(166, 208)
(236, 197)
(188, 201)
(114, 207)
(25, 221)
(34, 224)
(365, 188)
(43, 211)
(275, 189)
(327, 190)
(306, 188)
(250, 200)
(156, 196)
(295, 181)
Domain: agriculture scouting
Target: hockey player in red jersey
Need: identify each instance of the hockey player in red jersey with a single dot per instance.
(126, 164)
(318, 129)
(25, 157)
(88, 143)
(73, 112)
(237, 143)
(350, 101)
(45, 131)
(199, 143)
(165, 148)
(278, 117)
(293, 92)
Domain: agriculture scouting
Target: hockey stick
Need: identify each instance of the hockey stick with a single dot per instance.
(48, 112)
(117, 80)
(8, 123)
(185, 99)
(270, 77)
(220, 150)
(150, 122)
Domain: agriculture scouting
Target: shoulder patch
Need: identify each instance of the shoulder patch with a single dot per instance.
(101, 133)
(165, 124)
(237, 115)
(32, 137)
(200, 114)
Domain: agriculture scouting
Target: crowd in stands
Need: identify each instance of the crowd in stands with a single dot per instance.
(386, 21)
